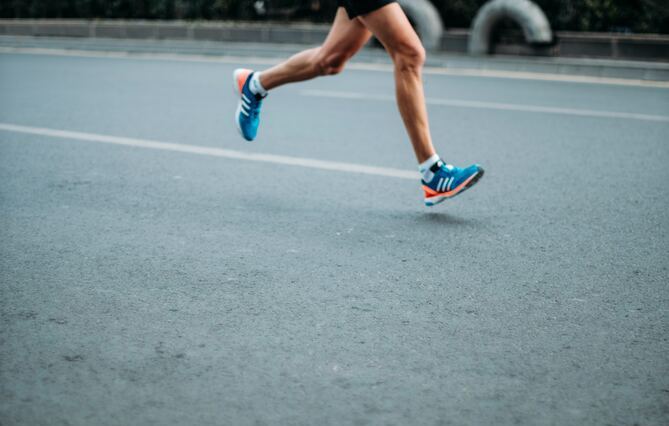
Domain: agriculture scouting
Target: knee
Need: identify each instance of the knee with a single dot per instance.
(409, 57)
(330, 63)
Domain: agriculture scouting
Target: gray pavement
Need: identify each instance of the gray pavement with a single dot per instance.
(607, 68)
(140, 286)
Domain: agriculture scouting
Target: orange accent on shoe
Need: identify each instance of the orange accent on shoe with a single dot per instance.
(430, 193)
(464, 184)
(242, 77)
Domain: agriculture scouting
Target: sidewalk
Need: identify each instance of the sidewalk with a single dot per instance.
(597, 68)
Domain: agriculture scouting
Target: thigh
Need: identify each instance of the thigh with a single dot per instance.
(346, 36)
(392, 28)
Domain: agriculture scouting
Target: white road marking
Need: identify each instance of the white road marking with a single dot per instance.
(358, 66)
(492, 105)
(175, 57)
(213, 152)
(527, 75)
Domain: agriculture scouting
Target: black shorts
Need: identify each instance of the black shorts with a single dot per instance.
(360, 7)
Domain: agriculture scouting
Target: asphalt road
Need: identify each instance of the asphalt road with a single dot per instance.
(148, 286)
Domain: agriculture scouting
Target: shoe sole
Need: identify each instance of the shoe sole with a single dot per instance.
(429, 202)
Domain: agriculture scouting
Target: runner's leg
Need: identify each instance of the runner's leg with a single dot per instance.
(346, 37)
(390, 25)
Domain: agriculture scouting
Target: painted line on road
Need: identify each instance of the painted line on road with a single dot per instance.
(538, 76)
(148, 56)
(357, 66)
(491, 105)
(213, 152)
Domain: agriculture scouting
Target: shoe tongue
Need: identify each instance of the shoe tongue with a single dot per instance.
(436, 166)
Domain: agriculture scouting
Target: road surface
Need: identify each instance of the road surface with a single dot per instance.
(157, 269)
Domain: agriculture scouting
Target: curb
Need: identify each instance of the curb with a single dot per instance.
(271, 53)
(646, 47)
(176, 30)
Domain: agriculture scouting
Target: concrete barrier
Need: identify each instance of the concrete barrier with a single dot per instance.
(174, 30)
(528, 15)
(647, 47)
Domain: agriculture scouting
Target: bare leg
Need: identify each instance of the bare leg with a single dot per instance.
(391, 26)
(346, 37)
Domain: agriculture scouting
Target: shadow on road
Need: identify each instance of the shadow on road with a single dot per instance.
(442, 218)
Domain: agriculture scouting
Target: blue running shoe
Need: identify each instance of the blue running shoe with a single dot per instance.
(449, 181)
(247, 117)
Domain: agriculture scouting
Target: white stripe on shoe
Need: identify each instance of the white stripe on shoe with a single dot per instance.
(441, 181)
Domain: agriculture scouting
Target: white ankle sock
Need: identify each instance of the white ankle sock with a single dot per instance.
(424, 167)
(255, 87)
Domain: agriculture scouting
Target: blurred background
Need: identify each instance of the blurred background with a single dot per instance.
(604, 29)
(626, 16)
